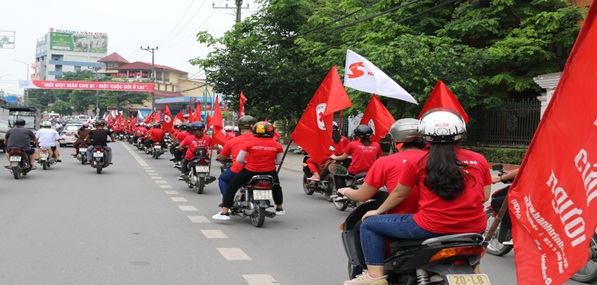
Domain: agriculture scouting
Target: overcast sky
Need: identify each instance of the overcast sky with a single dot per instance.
(169, 25)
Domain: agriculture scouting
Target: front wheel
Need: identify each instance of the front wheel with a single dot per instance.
(200, 185)
(45, 165)
(588, 273)
(309, 189)
(494, 246)
(340, 205)
(258, 216)
(331, 187)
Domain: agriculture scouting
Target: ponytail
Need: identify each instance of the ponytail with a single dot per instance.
(444, 177)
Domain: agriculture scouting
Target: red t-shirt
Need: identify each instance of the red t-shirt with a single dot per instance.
(339, 147)
(181, 136)
(194, 142)
(466, 213)
(362, 156)
(140, 131)
(262, 153)
(386, 172)
(230, 135)
(233, 146)
(156, 135)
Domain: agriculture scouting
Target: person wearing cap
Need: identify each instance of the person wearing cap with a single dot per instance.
(47, 137)
(80, 135)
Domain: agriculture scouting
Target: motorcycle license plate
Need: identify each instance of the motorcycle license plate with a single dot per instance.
(82, 150)
(262, 194)
(15, 158)
(98, 154)
(468, 279)
(201, 168)
(157, 147)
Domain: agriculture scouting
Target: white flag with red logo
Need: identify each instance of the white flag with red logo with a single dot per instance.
(362, 75)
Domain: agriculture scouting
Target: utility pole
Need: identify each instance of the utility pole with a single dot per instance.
(152, 51)
(25, 92)
(239, 4)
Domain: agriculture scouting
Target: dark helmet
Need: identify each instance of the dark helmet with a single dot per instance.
(263, 129)
(246, 122)
(100, 123)
(198, 126)
(20, 122)
(157, 126)
(363, 131)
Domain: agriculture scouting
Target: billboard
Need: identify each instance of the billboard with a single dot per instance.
(67, 40)
(87, 85)
(7, 39)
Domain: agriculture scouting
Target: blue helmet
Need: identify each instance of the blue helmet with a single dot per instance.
(198, 126)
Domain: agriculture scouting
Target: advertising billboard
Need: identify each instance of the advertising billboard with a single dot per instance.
(67, 40)
(7, 39)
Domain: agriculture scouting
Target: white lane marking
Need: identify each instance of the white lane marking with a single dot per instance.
(260, 279)
(165, 186)
(214, 234)
(137, 158)
(178, 199)
(156, 177)
(199, 219)
(149, 170)
(170, 192)
(233, 254)
(161, 181)
(152, 173)
(188, 208)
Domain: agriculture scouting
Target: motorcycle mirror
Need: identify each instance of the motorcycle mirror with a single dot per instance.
(497, 167)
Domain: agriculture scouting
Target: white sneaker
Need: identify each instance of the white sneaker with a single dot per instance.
(280, 212)
(221, 217)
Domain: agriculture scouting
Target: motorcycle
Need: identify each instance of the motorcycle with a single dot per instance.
(342, 202)
(82, 154)
(46, 159)
(198, 175)
(226, 164)
(327, 183)
(156, 150)
(253, 199)
(19, 162)
(448, 259)
(501, 242)
(99, 158)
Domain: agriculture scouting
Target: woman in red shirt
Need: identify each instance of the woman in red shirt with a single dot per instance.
(264, 154)
(453, 185)
(364, 153)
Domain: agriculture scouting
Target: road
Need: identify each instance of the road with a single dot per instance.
(137, 224)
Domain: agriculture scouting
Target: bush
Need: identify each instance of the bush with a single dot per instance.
(501, 155)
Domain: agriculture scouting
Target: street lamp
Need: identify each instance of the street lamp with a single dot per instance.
(152, 51)
(25, 92)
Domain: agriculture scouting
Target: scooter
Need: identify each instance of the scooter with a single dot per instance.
(198, 175)
(98, 160)
(46, 159)
(448, 259)
(253, 199)
(327, 183)
(156, 150)
(82, 154)
(19, 162)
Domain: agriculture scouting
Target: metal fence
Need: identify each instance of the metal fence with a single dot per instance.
(511, 125)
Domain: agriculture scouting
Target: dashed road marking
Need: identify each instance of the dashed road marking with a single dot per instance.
(170, 192)
(161, 181)
(165, 186)
(152, 173)
(260, 279)
(179, 199)
(233, 254)
(199, 219)
(149, 170)
(214, 234)
(156, 177)
(188, 208)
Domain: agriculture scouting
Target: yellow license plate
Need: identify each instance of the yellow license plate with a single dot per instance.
(468, 279)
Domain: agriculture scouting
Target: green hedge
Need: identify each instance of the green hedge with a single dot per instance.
(501, 155)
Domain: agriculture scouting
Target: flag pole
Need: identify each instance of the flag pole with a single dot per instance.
(497, 220)
(283, 157)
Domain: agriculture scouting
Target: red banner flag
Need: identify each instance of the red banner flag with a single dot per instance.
(313, 131)
(148, 118)
(378, 118)
(552, 201)
(441, 96)
(134, 121)
(179, 119)
(218, 136)
(197, 116)
(158, 117)
(241, 109)
(191, 117)
(168, 122)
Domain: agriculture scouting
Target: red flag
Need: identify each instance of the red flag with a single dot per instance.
(207, 121)
(191, 117)
(148, 118)
(378, 118)
(134, 121)
(179, 119)
(168, 122)
(441, 96)
(158, 117)
(218, 135)
(552, 201)
(241, 109)
(313, 131)
(197, 116)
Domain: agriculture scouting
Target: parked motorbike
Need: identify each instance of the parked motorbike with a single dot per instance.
(99, 158)
(198, 175)
(156, 150)
(501, 242)
(448, 259)
(46, 159)
(253, 199)
(19, 162)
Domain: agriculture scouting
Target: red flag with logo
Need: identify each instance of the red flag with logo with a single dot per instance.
(191, 117)
(179, 119)
(158, 117)
(378, 118)
(441, 96)
(134, 121)
(148, 118)
(313, 131)
(218, 135)
(553, 201)
(243, 99)
(168, 122)
(197, 116)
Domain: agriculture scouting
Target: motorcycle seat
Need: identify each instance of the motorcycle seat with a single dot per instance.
(439, 240)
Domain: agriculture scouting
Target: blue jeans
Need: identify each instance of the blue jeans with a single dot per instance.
(223, 181)
(374, 230)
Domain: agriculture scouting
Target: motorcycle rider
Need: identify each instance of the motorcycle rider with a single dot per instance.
(386, 170)
(453, 183)
(156, 134)
(47, 137)
(339, 142)
(260, 157)
(21, 137)
(80, 135)
(198, 139)
(232, 148)
(364, 152)
(99, 136)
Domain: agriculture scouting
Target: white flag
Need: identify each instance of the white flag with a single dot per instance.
(362, 75)
(140, 116)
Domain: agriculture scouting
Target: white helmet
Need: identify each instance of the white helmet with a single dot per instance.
(442, 125)
(405, 130)
(235, 128)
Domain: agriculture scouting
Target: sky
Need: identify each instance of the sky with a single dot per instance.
(169, 25)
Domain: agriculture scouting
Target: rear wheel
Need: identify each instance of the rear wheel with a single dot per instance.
(309, 189)
(16, 171)
(588, 273)
(200, 185)
(258, 216)
(331, 187)
(45, 165)
(494, 247)
(98, 168)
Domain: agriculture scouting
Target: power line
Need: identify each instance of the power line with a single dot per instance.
(337, 19)
(196, 31)
(180, 20)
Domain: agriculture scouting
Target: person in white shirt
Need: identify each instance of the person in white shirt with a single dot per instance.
(48, 137)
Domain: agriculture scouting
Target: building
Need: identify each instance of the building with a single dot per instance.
(61, 51)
